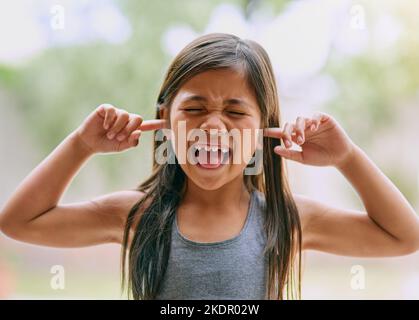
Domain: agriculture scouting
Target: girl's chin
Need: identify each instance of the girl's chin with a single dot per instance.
(208, 178)
(208, 185)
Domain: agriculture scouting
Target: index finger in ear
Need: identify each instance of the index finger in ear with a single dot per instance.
(274, 133)
(155, 124)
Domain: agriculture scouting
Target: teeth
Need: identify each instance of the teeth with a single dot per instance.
(222, 132)
(211, 148)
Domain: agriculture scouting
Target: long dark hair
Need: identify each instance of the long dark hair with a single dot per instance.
(149, 251)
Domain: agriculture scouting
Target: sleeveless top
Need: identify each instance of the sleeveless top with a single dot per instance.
(229, 269)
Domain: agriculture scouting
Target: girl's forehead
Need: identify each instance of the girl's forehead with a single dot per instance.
(218, 84)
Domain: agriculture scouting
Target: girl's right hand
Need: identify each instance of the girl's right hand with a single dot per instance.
(109, 129)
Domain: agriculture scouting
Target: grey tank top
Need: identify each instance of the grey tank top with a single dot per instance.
(230, 269)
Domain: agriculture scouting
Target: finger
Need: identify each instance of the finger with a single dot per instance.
(101, 111)
(154, 124)
(110, 116)
(120, 122)
(277, 133)
(288, 129)
(133, 123)
(300, 125)
(134, 138)
(273, 133)
(309, 124)
(318, 117)
(316, 121)
(289, 154)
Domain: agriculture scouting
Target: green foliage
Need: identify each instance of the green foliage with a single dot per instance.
(60, 87)
(375, 87)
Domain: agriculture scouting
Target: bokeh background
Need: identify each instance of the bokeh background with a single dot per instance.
(357, 60)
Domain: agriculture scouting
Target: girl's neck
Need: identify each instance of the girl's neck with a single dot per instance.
(231, 193)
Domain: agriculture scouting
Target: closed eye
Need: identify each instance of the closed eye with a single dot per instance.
(198, 109)
(236, 113)
(192, 109)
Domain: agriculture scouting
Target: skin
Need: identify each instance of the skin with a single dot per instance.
(212, 193)
(215, 206)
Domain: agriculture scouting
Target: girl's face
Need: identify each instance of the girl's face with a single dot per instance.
(215, 101)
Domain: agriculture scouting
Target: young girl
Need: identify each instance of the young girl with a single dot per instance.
(211, 231)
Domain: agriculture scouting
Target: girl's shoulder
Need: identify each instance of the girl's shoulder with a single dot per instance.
(119, 202)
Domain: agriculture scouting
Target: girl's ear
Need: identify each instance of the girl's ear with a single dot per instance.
(163, 112)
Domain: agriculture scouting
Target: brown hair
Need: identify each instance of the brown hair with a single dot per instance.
(150, 247)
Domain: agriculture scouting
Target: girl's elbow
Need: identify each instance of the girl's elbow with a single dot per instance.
(3, 223)
(9, 228)
(5, 227)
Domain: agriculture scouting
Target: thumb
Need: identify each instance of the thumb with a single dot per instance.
(289, 154)
(134, 138)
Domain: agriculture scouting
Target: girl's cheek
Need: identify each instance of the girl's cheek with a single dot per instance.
(245, 145)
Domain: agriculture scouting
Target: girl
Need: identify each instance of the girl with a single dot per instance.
(210, 231)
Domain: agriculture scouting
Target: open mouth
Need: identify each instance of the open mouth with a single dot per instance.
(211, 156)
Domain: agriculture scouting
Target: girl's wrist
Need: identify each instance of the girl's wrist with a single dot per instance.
(79, 146)
(349, 158)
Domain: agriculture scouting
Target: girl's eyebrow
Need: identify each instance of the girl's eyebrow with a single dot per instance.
(237, 101)
(194, 98)
(230, 101)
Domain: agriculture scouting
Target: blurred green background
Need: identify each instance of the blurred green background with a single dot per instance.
(357, 60)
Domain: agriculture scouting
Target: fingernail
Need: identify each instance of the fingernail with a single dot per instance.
(300, 139)
(288, 144)
(110, 135)
(120, 137)
(312, 127)
(106, 126)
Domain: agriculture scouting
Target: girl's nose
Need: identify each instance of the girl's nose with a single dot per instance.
(213, 123)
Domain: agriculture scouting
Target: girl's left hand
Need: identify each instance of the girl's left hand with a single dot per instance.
(322, 140)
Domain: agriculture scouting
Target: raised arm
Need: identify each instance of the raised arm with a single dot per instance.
(388, 227)
(33, 213)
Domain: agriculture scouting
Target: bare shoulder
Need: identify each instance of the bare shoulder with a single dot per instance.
(308, 209)
(118, 202)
